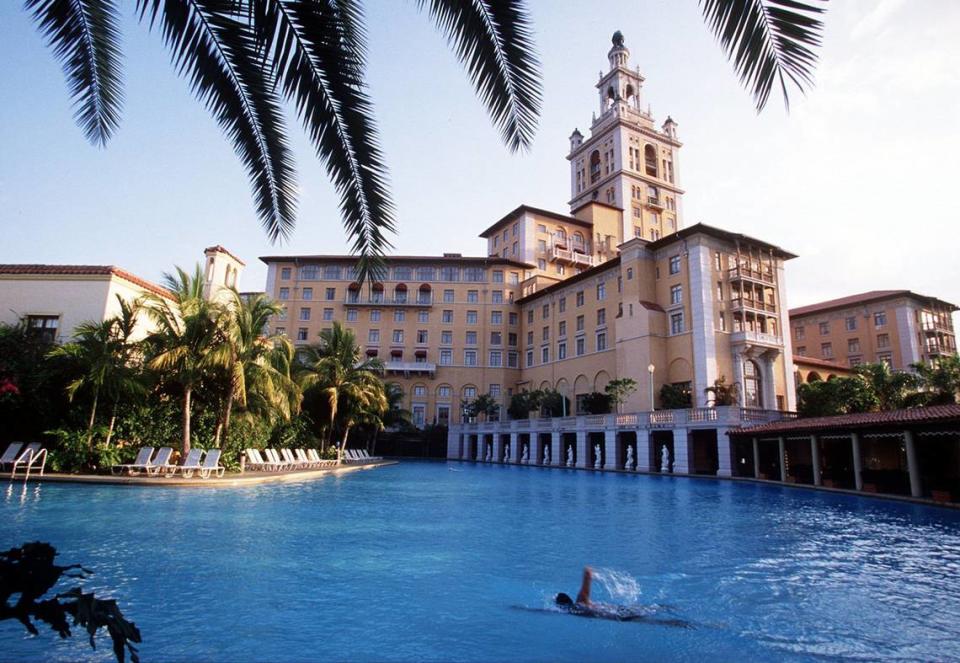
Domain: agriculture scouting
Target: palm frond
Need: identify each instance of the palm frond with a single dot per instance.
(85, 38)
(768, 41)
(218, 52)
(316, 49)
(494, 41)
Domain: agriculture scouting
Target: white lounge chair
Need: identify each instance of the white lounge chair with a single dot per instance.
(291, 459)
(211, 464)
(367, 457)
(321, 462)
(189, 465)
(305, 460)
(277, 462)
(11, 454)
(256, 462)
(161, 462)
(140, 464)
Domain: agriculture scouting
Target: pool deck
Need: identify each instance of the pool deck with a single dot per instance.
(230, 480)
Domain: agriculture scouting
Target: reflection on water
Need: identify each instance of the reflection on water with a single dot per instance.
(22, 492)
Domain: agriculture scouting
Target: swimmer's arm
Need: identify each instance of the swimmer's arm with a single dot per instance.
(584, 595)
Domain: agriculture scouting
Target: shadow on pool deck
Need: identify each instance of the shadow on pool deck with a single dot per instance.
(228, 480)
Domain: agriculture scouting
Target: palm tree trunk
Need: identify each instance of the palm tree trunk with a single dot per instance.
(113, 420)
(93, 416)
(372, 444)
(343, 444)
(187, 393)
(226, 419)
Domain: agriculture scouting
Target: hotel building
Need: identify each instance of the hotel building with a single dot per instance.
(896, 327)
(616, 288)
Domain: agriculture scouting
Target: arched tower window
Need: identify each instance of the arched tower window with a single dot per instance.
(630, 95)
(611, 97)
(752, 386)
(650, 160)
(595, 166)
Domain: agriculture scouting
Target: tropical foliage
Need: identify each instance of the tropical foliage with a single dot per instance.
(676, 396)
(483, 405)
(723, 393)
(244, 59)
(619, 390)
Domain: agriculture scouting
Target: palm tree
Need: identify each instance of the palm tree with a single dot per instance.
(891, 388)
(394, 415)
(348, 382)
(245, 58)
(941, 380)
(103, 353)
(187, 344)
(256, 366)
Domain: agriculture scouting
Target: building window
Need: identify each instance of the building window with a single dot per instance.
(850, 323)
(471, 317)
(448, 296)
(601, 291)
(328, 314)
(513, 319)
(399, 315)
(331, 293)
(799, 333)
(512, 360)
(629, 273)
(497, 275)
(542, 265)
(530, 316)
(853, 346)
(544, 355)
(283, 313)
(469, 357)
(826, 350)
(496, 338)
(752, 387)
(43, 327)
(421, 336)
(581, 346)
(450, 274)
(561, 351)
(426, 273)
(307, 294)
(883, 340)
(580, 320)
(676, 294)
(515, 251)
(723, 322)
(375, 315)
(562, 329)
(284, 294)
(802, 350)
(580, 298)
(473, 296)
(281, 331)
(676, 323)
(352, 315)
(562, 304)
(446, 357)
(302, 334)
(423, 316)
(471, 338)
(601, 341)
(446, 337)
(447, 317)
(719, 291)
(546, 334)
(880, 319)
(546, 311)
(674, 264)
(496, 358)
(309, 273)
(514, 278)
(512, 340)
(529, 358)
(285, 274)
(601, 317)
(496, 297)
(529, 338)
(305, 313)
(824, 328)
(398, 336)
(373, 336)
(496, 317)
(885, 358)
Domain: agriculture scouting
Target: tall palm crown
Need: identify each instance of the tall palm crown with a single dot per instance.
(187, 338)
(245, 58)
(348, 381)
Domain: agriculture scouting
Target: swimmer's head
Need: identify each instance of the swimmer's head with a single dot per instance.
(563, 599)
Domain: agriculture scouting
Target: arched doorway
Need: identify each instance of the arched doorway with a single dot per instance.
(752, 384)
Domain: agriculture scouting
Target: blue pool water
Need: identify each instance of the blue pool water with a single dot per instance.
(435, 561)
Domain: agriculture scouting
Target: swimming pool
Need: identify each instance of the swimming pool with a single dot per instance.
(435, 561)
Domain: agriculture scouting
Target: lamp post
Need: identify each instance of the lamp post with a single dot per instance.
(650, 369)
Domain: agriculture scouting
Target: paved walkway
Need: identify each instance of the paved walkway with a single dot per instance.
(228, 480)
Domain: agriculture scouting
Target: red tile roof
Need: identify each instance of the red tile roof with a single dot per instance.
(822, 363)
(920, 415)
(84, 270)
(220, 249)
(522, 209)
(864, 298)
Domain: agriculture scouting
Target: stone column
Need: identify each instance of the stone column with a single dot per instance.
(724, 454)
(769, 381)
(514, 448)
(556, 451)
(583, 453)
(782, 443)
(913, 464)
(815, 460)
(479, 439)
(610, 450)
(643, 450)
(498, 448)
(453, 443)
(681, 451)
(738, 373)
(857, 461)
(756, 458)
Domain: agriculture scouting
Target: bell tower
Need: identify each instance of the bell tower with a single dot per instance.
(627, 162)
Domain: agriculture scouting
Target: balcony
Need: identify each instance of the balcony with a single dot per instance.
(933, 326)
(752, 305)
(940, 348)
(655, 202)
(757, 338)
(746, 273)
(383, 300)
(559, 254)
(409, 367)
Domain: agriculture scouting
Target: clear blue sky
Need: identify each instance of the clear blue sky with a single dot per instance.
(859, 179)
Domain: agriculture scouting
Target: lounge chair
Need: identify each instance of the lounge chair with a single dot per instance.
(189, 465)
(320, 462)
(140, 464)
(290, 458)
(367, 457)
(11, 454)
(211, 464)
(256, 462)
(305, 460)
(161, 462)
(277, 462)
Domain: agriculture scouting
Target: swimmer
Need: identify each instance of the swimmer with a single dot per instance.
(584, 607)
